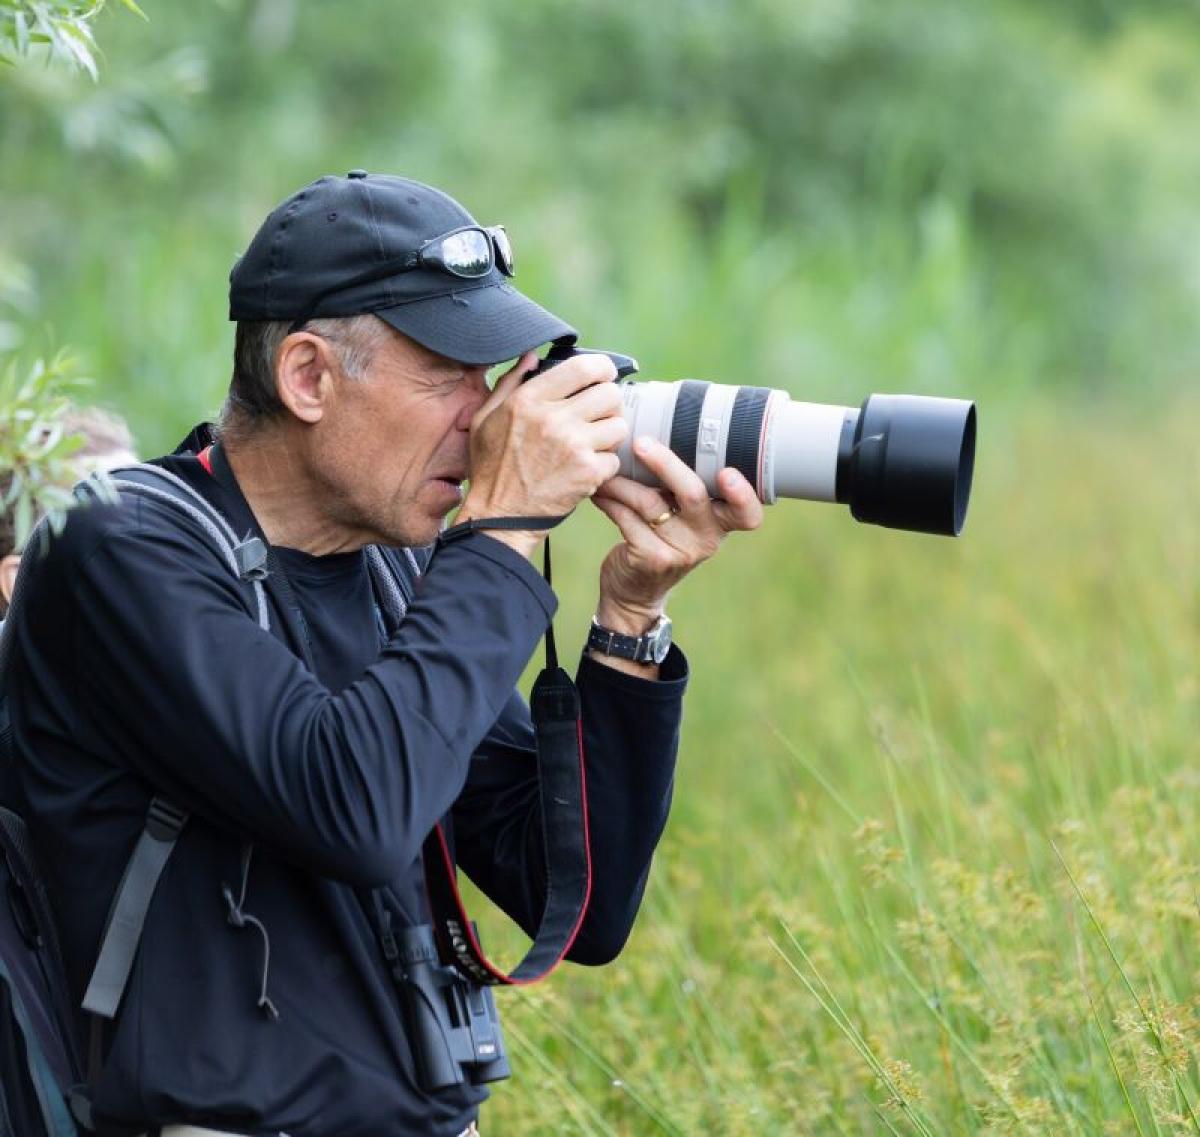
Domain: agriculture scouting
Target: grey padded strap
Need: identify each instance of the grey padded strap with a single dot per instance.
(164, 822)
(395, 598)
(200, 511)
(396, 589)
(181, 493)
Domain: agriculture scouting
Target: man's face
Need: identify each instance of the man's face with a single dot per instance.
(393, 452)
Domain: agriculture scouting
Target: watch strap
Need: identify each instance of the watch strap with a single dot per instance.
(640, 649)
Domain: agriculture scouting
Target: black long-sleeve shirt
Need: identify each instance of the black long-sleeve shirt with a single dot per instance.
(139, 668)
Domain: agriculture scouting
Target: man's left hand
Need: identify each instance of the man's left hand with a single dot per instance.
(667, 531)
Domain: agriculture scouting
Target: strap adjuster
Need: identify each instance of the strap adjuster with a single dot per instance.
(164, 819)
(251, 558)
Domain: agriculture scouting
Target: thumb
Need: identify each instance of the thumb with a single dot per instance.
(507, 384)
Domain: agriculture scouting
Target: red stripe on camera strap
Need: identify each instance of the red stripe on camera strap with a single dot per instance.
(562, 796)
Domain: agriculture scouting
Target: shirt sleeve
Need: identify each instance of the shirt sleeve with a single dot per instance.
(631, 739)
(219, 715)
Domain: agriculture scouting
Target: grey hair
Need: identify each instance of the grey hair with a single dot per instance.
(253, 399)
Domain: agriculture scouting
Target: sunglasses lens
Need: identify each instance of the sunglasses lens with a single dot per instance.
(468, 253)
(504, 253)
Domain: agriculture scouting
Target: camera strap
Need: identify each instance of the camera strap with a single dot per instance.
(562, 795)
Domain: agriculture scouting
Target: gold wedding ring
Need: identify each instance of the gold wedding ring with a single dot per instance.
(666, 515)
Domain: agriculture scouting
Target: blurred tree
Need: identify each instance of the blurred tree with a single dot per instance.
(35, 450)
(1000, 192)
(34, 447)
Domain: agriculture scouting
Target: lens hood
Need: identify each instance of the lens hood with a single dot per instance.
(908, 463)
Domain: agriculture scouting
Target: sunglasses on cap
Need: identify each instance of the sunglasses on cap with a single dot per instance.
(469, 252)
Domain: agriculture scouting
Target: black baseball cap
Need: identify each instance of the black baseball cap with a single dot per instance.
(323, 250)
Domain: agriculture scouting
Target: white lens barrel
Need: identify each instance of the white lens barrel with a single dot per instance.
(904, 461)
(649, 409)
(712, 439)
(802, 449)
(798, 447)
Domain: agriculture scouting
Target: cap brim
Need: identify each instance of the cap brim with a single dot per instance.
(478, 325)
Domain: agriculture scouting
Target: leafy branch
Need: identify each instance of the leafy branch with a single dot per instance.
(35, 449)
(61, 27)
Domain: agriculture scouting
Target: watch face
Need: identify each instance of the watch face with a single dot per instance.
(660, 640)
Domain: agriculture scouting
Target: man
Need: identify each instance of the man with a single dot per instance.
(317, 757)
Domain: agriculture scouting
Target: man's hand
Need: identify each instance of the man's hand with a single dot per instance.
(667, 532)
(540, 446)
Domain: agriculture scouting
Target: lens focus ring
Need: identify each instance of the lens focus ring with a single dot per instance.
(745, 432)
(685, 424)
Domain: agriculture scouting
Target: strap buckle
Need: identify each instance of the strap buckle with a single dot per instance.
(251, 558)
(164, 819)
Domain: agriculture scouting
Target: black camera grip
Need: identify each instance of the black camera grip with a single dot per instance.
(560, 351)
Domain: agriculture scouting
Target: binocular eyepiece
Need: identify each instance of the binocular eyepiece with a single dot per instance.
(902, 461)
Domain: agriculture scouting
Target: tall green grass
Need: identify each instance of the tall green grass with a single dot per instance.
(934, 861)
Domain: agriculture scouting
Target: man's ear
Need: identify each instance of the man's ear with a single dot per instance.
(304, 375)
(8, 576)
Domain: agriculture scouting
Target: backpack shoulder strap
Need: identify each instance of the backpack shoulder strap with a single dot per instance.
(394, 585)
(164, 820)
(246, 558)
(127, 917)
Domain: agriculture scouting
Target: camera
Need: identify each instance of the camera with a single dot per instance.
(902, 461)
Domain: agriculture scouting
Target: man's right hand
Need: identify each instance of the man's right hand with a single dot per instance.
(540, 446)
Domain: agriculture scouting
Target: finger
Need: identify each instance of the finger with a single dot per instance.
(506, 385)
(606, 433)
(633, 527)
(676, 476)
(564, 379)
(600, 400)
(647, 501)
(739, 507)
(524, 365)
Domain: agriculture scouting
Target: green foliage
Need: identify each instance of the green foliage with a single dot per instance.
(61, 27)
(35, 451)
(986, 196)
(35, 471)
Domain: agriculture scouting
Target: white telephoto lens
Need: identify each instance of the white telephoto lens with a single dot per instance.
(904, 461)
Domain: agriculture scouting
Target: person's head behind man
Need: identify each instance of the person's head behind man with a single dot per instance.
(106, 445)
(368, 310)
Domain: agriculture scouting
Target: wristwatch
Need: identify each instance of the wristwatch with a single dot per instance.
(650, 647)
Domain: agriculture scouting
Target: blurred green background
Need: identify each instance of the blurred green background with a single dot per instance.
(933, 861)
(827, 195)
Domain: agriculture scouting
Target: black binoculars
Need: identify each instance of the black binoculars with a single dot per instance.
(452, 1021)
